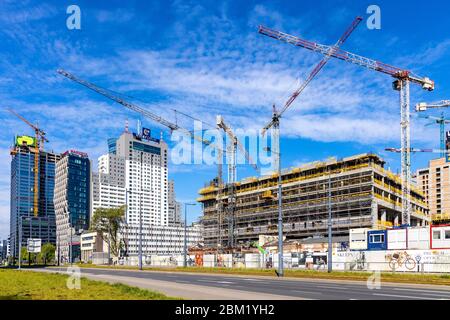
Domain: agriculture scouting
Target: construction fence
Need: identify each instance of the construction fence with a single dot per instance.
(423, 261)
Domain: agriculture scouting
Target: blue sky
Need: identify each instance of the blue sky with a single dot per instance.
(207, 58)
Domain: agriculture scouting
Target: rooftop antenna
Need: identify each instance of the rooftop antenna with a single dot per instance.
(139, 127)
(126, 126)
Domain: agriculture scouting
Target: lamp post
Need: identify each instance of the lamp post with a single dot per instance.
(330, 228)
(20, 241)
(280, 215)
(185, 233)
(20, 238)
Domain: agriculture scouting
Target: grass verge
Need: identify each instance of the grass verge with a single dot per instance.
(29, 285)
(434, 279)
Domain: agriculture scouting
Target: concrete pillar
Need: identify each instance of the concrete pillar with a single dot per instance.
(374, 213)
(397, 217)
(383, 215)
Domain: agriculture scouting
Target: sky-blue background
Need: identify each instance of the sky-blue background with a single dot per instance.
(206, 58)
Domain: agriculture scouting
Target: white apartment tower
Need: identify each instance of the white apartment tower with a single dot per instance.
(134, 173)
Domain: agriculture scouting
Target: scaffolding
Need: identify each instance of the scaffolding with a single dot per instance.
(363, 194)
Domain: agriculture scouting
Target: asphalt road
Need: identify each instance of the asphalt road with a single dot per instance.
(253, 287)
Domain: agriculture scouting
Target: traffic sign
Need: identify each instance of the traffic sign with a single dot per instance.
(34, 245)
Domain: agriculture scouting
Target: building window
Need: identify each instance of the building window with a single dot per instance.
(447, 234)
(436, 235)
(377, 238)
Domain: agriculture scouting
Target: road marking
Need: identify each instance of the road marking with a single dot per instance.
(330, 287)
(304, 291)
(400, 296)
(214, 281)
(252, 279)
(419, 290)
(225, 282)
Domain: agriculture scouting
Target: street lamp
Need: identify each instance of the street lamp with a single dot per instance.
(185, 233)
(280, 215)
(20, 238)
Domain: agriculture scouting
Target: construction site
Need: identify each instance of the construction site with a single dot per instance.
(358, 191)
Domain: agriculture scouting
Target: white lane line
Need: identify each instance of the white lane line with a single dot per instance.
(215, 281)
(330, 287)
(304, 291)
(252, 279)
(400, 296)
(419, 290)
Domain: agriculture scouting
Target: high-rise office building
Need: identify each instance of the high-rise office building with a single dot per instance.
(174, 207)
(135, 173)
(72, 203)
(24, 223)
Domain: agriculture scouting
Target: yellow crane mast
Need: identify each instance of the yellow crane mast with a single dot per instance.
(40, 139)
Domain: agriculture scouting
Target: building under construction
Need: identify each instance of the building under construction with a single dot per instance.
(359, 191)
(26, 222)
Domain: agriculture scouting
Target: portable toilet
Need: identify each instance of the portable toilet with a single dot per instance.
(377, 240)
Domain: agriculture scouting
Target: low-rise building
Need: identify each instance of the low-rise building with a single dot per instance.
(92, 246)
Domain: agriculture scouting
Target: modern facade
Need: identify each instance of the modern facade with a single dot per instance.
(434, 182)
(72, 203)
(24, 223)
(174, 207)
(363, 194)
(3, 250)
(161, 240)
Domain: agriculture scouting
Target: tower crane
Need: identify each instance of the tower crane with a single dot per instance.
(441, 121)
(107, 93)
(275, 121)
(416, 150)
(40, 140)
(423, 106)
(172, 126)
(232, 176)
(402, 83)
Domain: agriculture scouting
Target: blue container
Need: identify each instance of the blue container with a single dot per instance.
(377, 240)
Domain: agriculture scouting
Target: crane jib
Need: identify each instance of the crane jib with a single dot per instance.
(395, 72)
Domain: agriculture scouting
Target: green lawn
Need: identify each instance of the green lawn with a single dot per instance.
(443, 279)
(20, 285)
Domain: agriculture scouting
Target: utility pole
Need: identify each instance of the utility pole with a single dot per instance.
(20, 241)
(280, 220)
(280, 201)
(330, 228)
(185, 253)
(70, 247)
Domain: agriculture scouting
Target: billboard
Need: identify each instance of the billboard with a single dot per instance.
(25, 141)
(34, 245)
(146, 134)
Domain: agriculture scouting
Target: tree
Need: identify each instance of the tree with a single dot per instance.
(23, 254)
(106, 222)
(47, 253)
